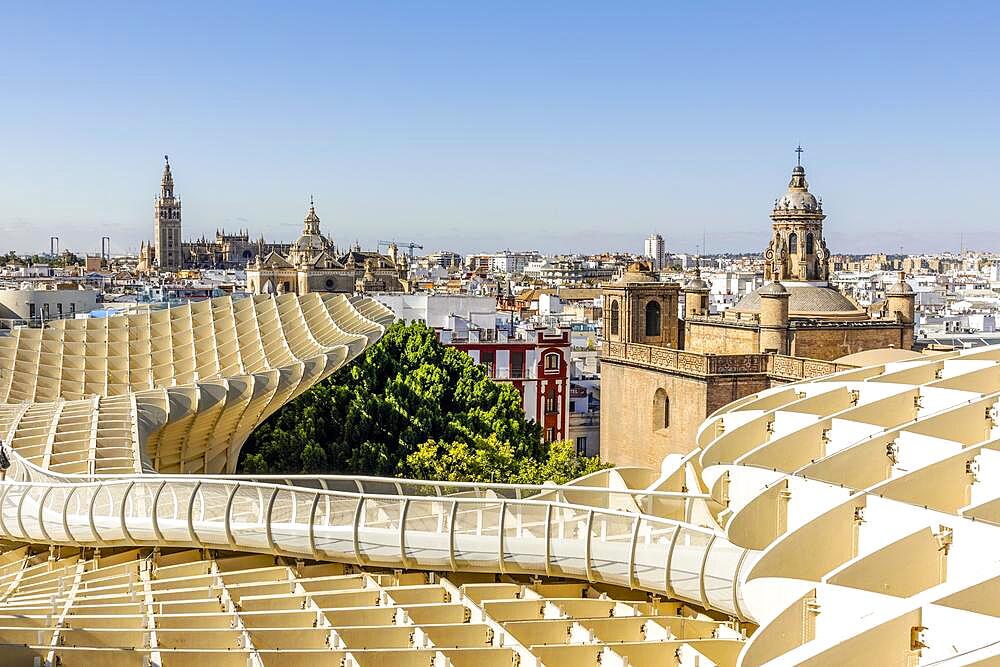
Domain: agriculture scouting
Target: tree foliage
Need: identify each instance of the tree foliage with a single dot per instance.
(411, 407)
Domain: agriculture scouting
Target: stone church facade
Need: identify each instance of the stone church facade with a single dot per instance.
(662, 375)
(312, 264)
(167, 253)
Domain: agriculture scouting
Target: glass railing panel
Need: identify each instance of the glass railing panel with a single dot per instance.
(720, 569)
(427, 533)
(52, 513)
(568, 540)
(106, 510)
(377, 487)
(290, 520)
(333, 526)
(172, 510)
(477, 534)
(139, 510)
(739, 577)
(610, 545)
(30, 506)
(208, 513)
(524, 537)
(246, 516)
(77, 514)
(685, 563)
(378, 530)
(651, 549)
(421, 489)
(345, 485)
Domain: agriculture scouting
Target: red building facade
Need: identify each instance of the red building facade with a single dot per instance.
(536, 362)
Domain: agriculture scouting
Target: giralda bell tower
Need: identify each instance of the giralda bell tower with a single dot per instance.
(167, 217)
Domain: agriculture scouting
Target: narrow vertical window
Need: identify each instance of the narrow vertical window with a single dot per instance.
(652, 319)
(551, 361)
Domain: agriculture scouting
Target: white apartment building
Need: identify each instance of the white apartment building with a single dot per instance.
(444, 259)
(655, 249)
(511, 263)
(41, 303)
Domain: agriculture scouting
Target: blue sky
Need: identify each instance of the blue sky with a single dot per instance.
(477, 125)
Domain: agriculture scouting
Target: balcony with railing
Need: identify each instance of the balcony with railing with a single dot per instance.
(695, 363)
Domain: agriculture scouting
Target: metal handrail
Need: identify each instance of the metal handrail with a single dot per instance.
(119, 523)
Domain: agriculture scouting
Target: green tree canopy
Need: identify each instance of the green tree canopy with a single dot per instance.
(411, 407)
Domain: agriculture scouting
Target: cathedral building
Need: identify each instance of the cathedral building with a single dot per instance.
(313, 264)
(663, 374)
(167, 253)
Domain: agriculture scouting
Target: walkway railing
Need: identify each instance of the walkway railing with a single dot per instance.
(426, 531)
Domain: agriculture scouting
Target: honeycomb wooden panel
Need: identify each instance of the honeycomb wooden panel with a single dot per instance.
(850, 519)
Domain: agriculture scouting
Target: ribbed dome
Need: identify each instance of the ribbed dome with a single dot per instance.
(902, 288)
(696, 284)
(798, 200)
(773, 288)
(311, 240)
(798, 197)
(637, 272)
(805, 300)
(636, 277)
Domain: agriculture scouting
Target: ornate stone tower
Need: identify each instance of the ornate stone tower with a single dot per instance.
(901, 301)
(167, 223)
(640, 309)
(696, 296)
(797, 251)
(774, 318)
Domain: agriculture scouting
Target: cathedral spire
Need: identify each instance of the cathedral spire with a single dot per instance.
(311, 223)
(167, 223)
(797, 251)
(167, 181)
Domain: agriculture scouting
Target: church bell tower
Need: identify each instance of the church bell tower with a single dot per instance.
(167, 223)
(797, 251)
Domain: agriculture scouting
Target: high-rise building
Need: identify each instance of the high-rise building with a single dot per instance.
(655, 250)
(167, 216)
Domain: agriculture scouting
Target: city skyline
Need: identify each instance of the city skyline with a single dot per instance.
(466, 130)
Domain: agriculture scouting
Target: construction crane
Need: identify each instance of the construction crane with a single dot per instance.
(400, 244)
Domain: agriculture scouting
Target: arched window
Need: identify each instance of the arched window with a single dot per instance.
(653, 318)
(793, 243)
(661, 410)
(614, 318)
(809, 244)
(551, 401)
(552, 361)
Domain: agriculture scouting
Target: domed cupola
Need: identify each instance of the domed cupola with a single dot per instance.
(311, 242)
(797, 251)
(798, 197)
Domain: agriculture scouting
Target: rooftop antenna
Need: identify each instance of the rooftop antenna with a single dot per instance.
(798, 159)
